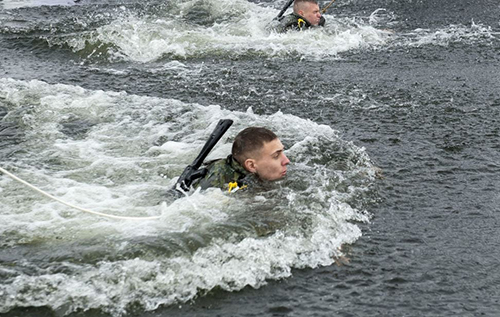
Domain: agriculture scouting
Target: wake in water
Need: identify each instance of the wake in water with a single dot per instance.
(194, 29)
(119, 153)
(199, 29)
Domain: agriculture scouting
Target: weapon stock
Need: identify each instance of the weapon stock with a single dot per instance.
(287, 5)
(192, 171)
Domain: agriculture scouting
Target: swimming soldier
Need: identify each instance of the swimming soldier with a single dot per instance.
(257, 155)
(306, 14)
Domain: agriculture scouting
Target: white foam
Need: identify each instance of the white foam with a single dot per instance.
(235, 28)
(133, 150)
(474, 33)
(14, 4)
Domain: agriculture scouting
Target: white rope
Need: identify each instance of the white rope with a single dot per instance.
(71, 205)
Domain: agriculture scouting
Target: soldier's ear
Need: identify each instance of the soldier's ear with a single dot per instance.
(250, 165)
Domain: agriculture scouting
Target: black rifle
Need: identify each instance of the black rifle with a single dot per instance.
(192, 171)
(287, 5)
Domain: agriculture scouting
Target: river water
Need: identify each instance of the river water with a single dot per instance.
(389, 114)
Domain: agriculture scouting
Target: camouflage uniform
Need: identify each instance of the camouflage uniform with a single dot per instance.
(226, 174)
(294, 21)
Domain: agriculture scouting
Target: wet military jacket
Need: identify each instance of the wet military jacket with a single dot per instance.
(226, 174)
(294, 21)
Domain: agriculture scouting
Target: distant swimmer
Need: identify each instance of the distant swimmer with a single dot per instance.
(257, 155)
(306, 14)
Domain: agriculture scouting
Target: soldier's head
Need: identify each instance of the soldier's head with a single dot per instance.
(308, 9)
(260, 152)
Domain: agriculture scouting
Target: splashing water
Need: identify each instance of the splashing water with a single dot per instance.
(118, 153)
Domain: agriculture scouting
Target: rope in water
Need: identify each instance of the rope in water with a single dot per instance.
(71, 205)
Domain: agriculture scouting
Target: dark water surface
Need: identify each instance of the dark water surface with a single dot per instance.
(422, 99)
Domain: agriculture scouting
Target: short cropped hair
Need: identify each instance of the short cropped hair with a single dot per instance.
(298, 3)
(249, 141)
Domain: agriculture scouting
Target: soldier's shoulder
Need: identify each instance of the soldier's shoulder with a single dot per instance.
(287, 22)
(218, 166)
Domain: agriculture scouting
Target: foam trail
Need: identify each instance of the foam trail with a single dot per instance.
(127, 151)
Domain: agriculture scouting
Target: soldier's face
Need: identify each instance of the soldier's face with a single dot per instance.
(271, 163)
(311, 12)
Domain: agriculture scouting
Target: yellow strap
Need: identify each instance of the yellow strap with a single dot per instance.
(301, 23)
(232, 185)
